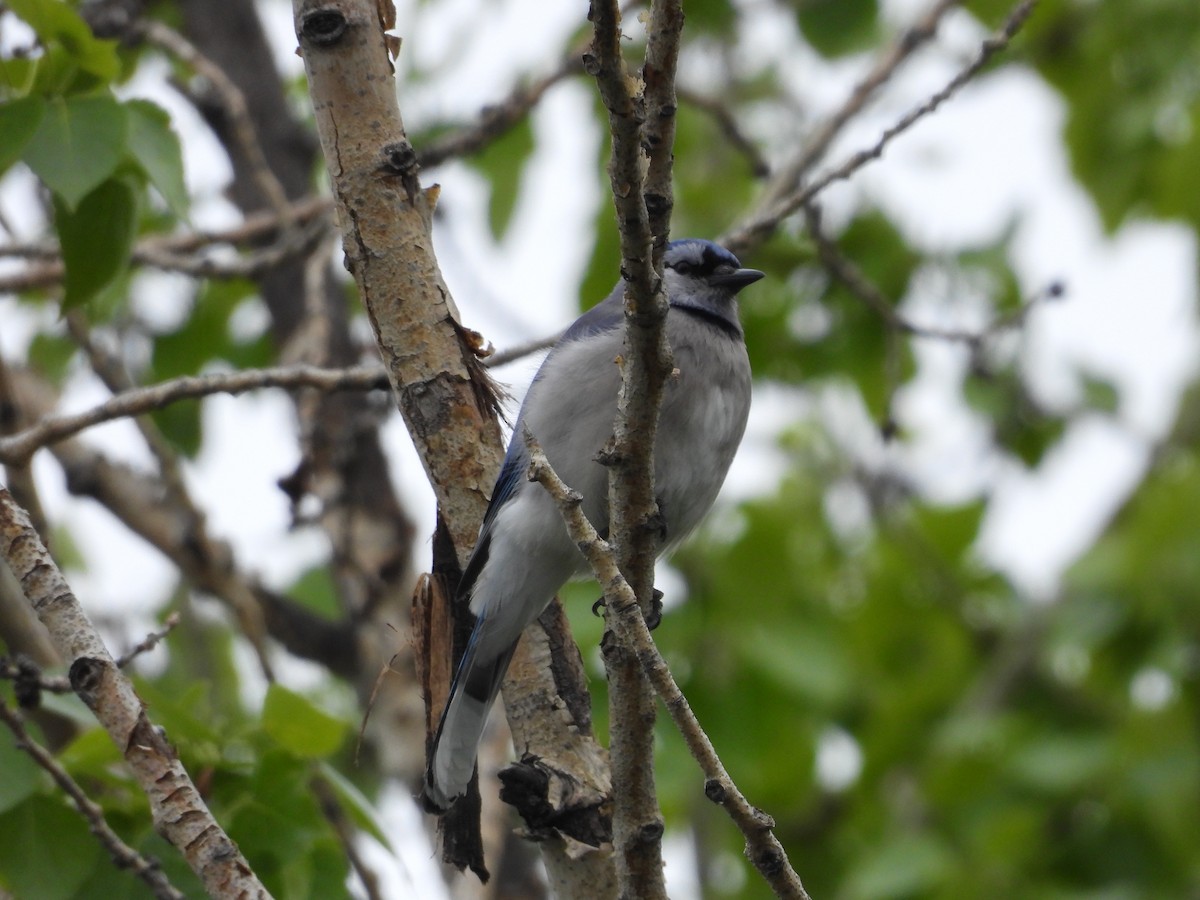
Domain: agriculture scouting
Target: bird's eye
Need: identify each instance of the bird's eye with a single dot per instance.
(683, 268)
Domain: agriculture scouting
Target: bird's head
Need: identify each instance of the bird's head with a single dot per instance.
(705, 277)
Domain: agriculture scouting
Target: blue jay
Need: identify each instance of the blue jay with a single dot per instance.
(524, 554)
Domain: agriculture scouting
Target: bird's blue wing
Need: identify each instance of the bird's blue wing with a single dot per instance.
(609, 313)
(604, 316)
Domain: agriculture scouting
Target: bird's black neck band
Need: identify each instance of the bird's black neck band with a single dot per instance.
(712, 318)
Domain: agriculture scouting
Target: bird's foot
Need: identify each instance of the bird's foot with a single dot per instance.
(653, 616)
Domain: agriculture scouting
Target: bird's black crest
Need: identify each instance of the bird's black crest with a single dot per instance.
(698, 257)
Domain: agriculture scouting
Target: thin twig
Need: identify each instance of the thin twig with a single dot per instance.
(843, 269)
(757, 227)
(112, 372)
(20, 669)
(123, 856)
(134, 402)
(498, 118)
(512, 354)
(149, 642)
(27, 676)
(252, 228)
(790, 176)
(244, 132)
(622, 611)
(176, 806)
(335, 815)
(295, 231)
(725, 120)
(664, 31)
(856, 281)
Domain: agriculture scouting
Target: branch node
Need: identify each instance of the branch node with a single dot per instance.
(399, 158)
(85, 674)
(715, 791)
(323, 27)
(27, 685)
(650, 832)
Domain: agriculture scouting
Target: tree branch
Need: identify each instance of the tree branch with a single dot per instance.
(762, 847)
(755, 228)
(790, 176)
(496, 119)
(19, 447)
(857, 283)
(16, 449)
(167, 38)
(123, 856)
(178, 811)
(294, 231)
(444, 395)
(641, 117)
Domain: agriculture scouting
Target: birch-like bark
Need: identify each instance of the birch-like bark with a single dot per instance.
(442, 390)
(178, 811)
(641, 118)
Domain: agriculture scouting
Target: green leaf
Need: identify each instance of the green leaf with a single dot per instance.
(156, 148)
(92, 754)
(205, 334)
(96, 239)
(1100, 394)
(21, 775)
(180, 424)
(298, 726)
(501, 163)
(51, 355)
(907, 865)
(47, 851)
(78, 145)
(59, 23)
(1132, 114)
(356, 805)
(803, 659)
(712, 16)
(19, 120)
(952, 530)
(1058, 763)
(316, 590)
(838, 27)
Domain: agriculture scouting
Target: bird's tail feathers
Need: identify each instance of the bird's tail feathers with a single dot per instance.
(451, 760)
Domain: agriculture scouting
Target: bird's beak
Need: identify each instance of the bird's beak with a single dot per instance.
(737, 279)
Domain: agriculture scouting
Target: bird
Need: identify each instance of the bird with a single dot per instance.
(523, 555)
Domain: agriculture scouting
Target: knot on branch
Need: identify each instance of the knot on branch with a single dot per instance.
(657, 204)
(715, 791)
(399, 158)
(86, 675)
(770, 861)
(323, 27)
(761, 820)
(608, 456)
(27, 683)
(611, 647)
(555, 804)
(650, 832)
